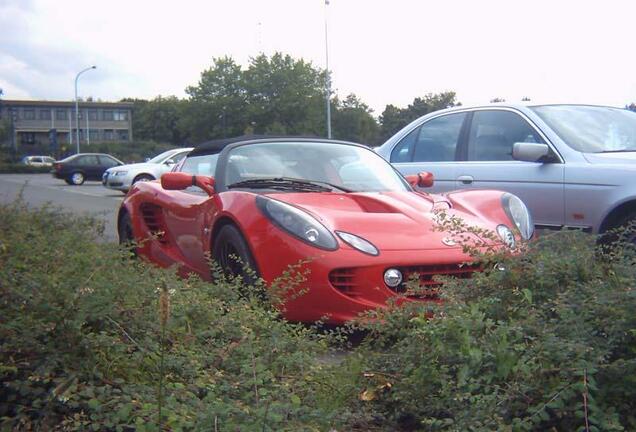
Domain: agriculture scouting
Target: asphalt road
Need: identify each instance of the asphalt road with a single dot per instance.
(91, 198)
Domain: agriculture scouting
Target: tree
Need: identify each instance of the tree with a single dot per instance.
(631, 107)
(353, 121)
(393, 119)
(158, 119)
(5, 124)
(497, 99)
(217, 105)
(285, 95)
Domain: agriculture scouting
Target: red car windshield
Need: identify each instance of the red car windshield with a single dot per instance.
(346, 167)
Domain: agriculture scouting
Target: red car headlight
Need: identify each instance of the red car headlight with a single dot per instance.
(297, 222)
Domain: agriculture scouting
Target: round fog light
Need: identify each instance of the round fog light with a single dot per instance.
(392, 277)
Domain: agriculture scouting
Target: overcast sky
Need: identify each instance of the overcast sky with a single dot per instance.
(386, 52)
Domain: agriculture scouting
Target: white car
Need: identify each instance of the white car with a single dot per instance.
(123, 177)
(38, 161)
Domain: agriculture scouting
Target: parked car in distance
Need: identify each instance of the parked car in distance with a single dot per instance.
(123, 176)
(357, 226)
(38, 161)
(573, 165)
(78, 168)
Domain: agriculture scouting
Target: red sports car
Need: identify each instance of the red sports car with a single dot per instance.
(360, 228)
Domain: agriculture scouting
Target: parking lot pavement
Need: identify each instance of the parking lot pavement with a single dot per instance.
(91, 198)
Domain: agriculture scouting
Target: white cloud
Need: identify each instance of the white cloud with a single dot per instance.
(384, 51)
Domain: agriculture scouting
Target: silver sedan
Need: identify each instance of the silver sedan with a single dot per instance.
(122, 177)
(573, 165)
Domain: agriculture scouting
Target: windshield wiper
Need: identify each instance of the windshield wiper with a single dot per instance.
(320, 182)
(282, 183)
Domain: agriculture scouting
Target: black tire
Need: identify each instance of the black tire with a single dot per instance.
(143, 178)
(232, 254)
(125, 233)
(77, 178)
(626, 230)
(621, 234)
(68, 181)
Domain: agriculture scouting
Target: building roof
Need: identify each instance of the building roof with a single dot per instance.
(46, 103)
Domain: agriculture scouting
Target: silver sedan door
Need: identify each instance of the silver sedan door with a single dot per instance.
(490, 165)
(432, 147)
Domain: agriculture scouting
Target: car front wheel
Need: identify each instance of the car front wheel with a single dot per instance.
(125, 233)
(143, 178)
(233, 256)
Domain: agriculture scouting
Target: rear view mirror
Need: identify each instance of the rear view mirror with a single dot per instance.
(181, 181)
(530, 152)
(424, 179)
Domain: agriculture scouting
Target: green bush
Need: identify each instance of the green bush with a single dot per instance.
(129, 152)
(92, 340)
(89, 336)
(18, 168)
(547, 344)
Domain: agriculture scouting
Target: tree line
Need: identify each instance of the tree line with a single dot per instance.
(273, 95)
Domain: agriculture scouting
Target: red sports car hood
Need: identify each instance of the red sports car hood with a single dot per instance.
(389, 220)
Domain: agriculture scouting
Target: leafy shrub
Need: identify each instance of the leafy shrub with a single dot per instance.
(18, 168)
(82, 343)
(90, 339)
(547, 344)
(130, 152)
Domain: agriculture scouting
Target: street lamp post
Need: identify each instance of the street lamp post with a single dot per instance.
(77, 124)
(328, 78)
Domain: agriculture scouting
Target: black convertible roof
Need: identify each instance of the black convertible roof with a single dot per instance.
(217, 145)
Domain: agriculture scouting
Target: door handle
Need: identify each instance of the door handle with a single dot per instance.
(465, 179)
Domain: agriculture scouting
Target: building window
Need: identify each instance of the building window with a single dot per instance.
(60, 114)
(45, 114)
(122, 134)
(108, 135)
(108, 116)
(92, 115)
(121, 115)
(93, 135)
(28, 114)
(27, 138)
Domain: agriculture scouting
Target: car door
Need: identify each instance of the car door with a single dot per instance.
(489, 164)
(188, 214)
(433, 147)
(89, 164)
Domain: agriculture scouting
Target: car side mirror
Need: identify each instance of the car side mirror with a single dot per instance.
(146, 159)
(530, 152)
(424, 179)
(169, 162)
(181, 181)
